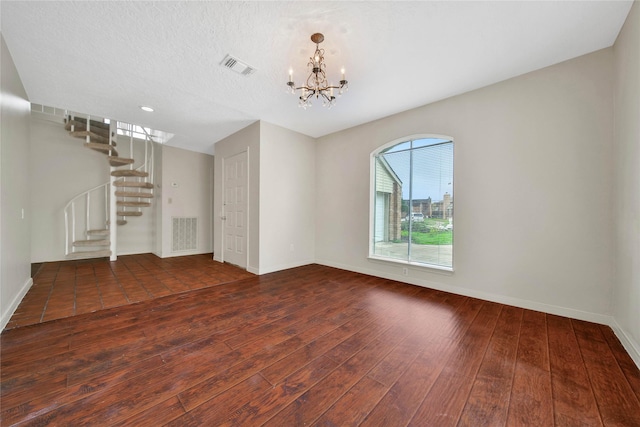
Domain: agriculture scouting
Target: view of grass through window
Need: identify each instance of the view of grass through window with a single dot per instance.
(413, 202)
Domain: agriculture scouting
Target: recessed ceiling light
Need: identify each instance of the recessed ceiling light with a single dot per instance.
(146, 108)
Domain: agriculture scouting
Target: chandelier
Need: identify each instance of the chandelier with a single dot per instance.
(317, 84)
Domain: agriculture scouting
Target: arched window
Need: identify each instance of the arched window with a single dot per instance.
(412, 201)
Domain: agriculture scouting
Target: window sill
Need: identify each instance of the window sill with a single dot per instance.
(426, 267)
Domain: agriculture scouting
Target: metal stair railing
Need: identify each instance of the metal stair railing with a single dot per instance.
(70, 215)
(70, 118)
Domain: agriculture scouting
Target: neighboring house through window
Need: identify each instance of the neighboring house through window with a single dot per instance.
(413, 201)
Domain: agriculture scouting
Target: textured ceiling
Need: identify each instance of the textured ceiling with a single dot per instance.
(108, 58)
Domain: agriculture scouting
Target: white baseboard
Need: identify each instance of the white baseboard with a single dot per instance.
(280, 267)
(15, 303)
(177, 254)
(627, 341)
(250, 269)
(125, 253)
(502, 299)
(271, 269)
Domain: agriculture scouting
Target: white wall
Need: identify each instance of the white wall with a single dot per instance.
(287, 198)
(187, 192)
(247, 139)
(60, 169)
(626, 297)
(533, 168)
(15, 232)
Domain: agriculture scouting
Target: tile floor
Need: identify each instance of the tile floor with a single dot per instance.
(68, 288)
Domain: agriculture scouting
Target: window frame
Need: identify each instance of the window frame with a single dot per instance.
(372, 203)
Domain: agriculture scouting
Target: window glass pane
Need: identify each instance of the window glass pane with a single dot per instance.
(432, 197)
(413, 202)
(390, 238)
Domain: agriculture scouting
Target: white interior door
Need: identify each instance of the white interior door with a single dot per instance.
(235, 209)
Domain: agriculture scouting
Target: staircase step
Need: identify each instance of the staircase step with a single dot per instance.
(129, 213)
(120, 161)
(94, 137)
(119, 222)
(134, 194)
(94, 123)
(79, 126)
(123, 183)
(133, 204)
(105, 148)
(129, 172)
(89, 254)
(103, 232)
(96, 242)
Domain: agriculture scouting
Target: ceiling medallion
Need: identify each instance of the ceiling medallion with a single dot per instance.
(317, 84)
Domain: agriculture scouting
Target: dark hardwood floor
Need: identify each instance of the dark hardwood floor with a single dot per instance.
(307, 346)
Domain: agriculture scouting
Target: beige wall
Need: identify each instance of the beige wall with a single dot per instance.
(533, 168)
(287, 198)
(15, 227)
(626, 185)
(187, 191)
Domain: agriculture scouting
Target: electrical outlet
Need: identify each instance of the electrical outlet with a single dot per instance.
(405, 271)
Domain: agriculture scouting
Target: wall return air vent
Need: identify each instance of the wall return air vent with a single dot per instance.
(238, 66)
(185, 234)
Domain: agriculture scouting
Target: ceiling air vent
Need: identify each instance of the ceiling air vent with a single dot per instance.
(236, 65)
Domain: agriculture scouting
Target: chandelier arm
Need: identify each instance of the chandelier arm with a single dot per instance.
(308, 95)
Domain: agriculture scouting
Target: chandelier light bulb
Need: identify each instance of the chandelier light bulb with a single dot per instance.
(317, 84)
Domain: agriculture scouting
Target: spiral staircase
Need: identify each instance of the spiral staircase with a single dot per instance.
(89, 229)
